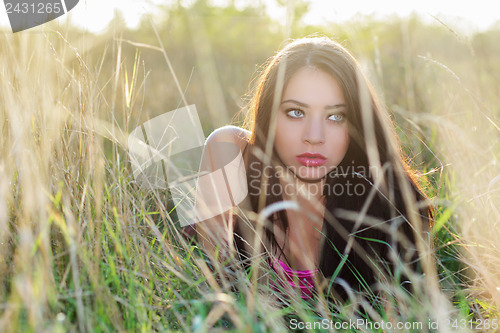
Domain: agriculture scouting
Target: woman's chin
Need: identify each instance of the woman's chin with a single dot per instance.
(310, 175)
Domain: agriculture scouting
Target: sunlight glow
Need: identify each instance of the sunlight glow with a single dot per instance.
(94, 15)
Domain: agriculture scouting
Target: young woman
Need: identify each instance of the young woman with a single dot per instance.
(337, 201)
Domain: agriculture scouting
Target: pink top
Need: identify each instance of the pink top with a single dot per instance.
(305, 278)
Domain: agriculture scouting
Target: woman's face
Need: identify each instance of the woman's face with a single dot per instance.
(311, 131)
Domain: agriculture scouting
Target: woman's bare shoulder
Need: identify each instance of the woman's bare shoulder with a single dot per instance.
(230, 133)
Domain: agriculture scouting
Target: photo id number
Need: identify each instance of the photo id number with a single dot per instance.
(32, 8)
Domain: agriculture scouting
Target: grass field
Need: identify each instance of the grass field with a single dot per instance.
(83, 248)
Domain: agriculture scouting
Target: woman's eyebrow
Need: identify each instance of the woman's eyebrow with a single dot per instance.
(304, 105)
(336, 106)
(295, 102)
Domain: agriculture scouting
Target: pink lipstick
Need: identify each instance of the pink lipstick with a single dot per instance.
(311, 159)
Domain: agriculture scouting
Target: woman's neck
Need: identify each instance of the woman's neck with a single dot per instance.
(302, 241)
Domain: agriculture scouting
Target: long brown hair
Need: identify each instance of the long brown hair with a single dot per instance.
(373, 160)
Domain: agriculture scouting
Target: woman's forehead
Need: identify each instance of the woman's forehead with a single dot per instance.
(311, 86)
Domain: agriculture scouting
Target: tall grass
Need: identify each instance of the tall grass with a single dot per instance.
(83, 248)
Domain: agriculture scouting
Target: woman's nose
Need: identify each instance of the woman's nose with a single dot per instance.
(314, 132)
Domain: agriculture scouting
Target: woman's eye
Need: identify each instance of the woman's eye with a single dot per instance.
(337, 117)
(295, 113)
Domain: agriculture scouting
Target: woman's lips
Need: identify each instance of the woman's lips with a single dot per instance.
(311, 159)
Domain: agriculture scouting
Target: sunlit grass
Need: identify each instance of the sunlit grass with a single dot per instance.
(83, 248)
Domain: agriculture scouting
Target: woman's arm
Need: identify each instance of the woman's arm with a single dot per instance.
(220, 190)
